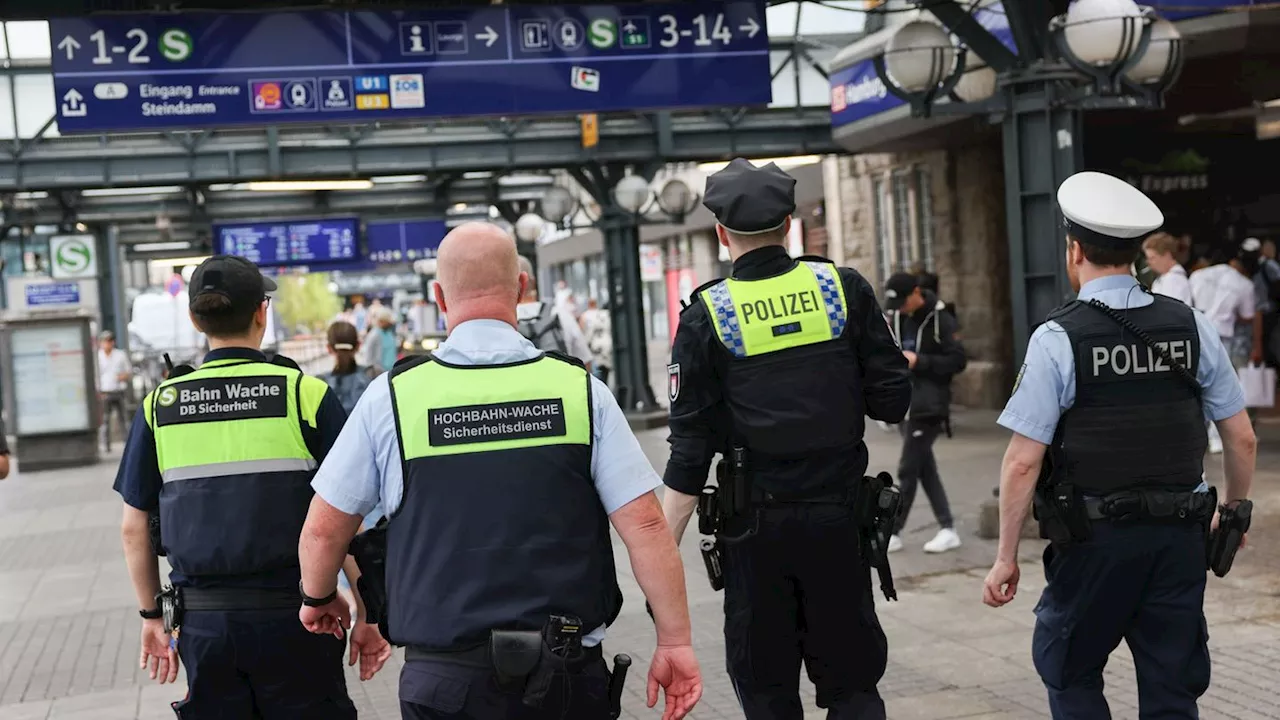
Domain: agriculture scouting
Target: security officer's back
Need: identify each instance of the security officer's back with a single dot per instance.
(1110, 405)
(224, 456)
(775, 368)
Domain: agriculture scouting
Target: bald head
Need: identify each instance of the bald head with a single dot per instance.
(531, 289)
(478, 273)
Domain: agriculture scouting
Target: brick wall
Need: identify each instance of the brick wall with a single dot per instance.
(969, 247)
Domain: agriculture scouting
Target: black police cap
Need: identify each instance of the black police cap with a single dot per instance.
(749, 200)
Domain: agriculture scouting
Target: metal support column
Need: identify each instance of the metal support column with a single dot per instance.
(1042, 148)
(626, 305)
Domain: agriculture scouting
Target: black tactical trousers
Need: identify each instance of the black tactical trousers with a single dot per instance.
(919, 467)
(797, 591)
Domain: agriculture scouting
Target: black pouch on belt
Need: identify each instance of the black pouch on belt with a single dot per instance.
(515, 654)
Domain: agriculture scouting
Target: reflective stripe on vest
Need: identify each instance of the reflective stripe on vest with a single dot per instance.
(532, 404)
(225, 414)
(239, 467)
(803, 306)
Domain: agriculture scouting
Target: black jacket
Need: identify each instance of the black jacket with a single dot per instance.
(931, 334)
(699, 421)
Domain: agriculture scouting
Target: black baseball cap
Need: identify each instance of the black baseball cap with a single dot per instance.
(896, 290)
(234, 278)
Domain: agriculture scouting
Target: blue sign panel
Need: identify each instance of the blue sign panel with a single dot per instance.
(1195, 8)
(293, 242)
(403, 241)
(53, 294)
(857, 92)
(135, 72)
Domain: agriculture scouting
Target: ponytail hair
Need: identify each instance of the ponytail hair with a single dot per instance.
(344, 341)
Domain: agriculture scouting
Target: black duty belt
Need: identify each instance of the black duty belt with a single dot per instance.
(762, 498)
(197, 599)
(478, 656)
(1151, 506)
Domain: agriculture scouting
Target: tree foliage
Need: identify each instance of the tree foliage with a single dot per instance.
(306, 300)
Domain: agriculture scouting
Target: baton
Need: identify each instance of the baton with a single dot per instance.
(619, 677)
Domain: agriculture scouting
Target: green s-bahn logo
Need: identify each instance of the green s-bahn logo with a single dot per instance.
(167, 396)
(74, 256)
(176, 45)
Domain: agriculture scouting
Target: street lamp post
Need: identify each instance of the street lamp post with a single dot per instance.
(1102, 54)
(625, 206)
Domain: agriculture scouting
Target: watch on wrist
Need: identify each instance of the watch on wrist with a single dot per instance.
(151, 614)
(316, 602)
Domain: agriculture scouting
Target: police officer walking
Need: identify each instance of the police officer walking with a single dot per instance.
(223, 456)
(776, 367)
(1108, 419)
(501, 469)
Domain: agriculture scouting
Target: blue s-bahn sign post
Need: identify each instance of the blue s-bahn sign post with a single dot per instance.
(154, 72)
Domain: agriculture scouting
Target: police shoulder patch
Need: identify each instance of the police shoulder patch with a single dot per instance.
(1017, 381)
(673, 381)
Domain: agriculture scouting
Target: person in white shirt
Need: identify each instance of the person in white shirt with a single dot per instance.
(114, 371)
(1225, 294)
(1171, 279)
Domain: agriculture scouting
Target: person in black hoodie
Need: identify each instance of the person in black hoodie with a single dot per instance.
(927, 333)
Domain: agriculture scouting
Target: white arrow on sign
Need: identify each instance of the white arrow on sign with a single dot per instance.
(751, 28)
(70, 45)
(490, 36)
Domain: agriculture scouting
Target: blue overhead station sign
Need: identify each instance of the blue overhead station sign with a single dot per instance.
(139, 72)
(403, 240)
(292, 242)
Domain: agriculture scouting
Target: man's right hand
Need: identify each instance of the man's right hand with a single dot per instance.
(158, 654)
(675, 668)
(332, 619)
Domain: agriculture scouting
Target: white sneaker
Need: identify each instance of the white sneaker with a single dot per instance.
(1215, 440)
(945, 540)
(895, 543)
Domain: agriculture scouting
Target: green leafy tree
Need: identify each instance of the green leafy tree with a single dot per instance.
(306, 300)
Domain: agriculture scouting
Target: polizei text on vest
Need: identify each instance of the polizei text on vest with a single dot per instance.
(232, 397)
(1139, 359)
(782, 306)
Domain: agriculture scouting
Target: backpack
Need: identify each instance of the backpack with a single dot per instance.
(544, 331)
(349, 386)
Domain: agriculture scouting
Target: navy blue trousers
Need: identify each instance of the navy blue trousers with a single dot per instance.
(798, 591)
(1141, 584)
(260, 665)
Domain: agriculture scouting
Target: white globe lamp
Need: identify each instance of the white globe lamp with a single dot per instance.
(676, 197)
(1158, 62)
(557, 204)
(919, 56)
(976, 84)
(1103, 32)
(632, 193)
(529, 227)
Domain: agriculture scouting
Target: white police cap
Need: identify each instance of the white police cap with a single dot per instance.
(1103, 210)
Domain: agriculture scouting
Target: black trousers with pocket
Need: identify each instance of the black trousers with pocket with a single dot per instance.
(797, 591)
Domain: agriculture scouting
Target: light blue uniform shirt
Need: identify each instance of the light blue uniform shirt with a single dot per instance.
(363, 471)
(1046, 386)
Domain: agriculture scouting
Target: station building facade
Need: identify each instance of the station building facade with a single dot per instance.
(930, 193)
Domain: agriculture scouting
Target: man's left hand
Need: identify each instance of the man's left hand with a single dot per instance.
(370, 647)
(331, 619)
(911, 358)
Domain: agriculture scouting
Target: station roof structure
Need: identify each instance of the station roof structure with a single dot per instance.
(167, 187)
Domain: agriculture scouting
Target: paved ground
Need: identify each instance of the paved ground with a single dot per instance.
(68, 623)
